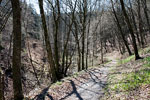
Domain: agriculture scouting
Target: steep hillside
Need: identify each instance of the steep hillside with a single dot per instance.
(130, 80)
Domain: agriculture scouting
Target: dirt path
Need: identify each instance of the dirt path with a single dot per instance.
(93, 88)
(90, 88)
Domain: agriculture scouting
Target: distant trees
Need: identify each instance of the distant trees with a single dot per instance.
(16, 61)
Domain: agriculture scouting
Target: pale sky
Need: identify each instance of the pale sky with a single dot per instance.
(35, 4)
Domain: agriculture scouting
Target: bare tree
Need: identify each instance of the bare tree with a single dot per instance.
(52, 69)
(140, 23)
(0, 1)
(17, 84)
(131, 30)
(144, 3)
(120, 29)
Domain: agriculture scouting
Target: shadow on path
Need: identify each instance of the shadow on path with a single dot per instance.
(43, 94)
(74, 91)
(94, 82)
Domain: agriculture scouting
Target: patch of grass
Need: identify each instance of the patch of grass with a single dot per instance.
(121, 83)
(126, 60)
(144, 51)
(58, 83)
(76, 74)
(147, 64)
(134, 80)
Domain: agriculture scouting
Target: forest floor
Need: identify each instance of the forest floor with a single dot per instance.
(130, 79)
(124, 79)
(85, 85)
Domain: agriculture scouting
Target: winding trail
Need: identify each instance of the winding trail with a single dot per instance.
(93, 88)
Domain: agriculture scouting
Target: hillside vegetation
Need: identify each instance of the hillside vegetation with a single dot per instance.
(74, 49)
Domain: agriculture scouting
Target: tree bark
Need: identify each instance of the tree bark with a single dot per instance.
(2, 84)
(140, 22)
(84, 31)
(131, 31)
(0, 1)
(48, 45)
(120, 29)
(144, 2)
(16, 61)
(134, 22)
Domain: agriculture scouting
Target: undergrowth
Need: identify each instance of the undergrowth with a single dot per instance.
(134, 80)
(128, 59)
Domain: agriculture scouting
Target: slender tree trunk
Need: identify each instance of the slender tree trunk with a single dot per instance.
(84, 31)
(102, 60)
(79, 58)
(2, 84)
(48, 45)
(78, 46)
(87, 43)
(140, 24)
(17, 84)
(57, 22)
(134, 22)
(120, 29)
(144, 2)
(131, 31)
(83, 47)
(0, 1)
(1, 88)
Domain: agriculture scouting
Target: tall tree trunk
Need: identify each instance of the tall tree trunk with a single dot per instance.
(131, 31)
(83, 47)
(144, 2)
(140, 24)
(16, 61)
(56, 34)
(102, 60)
(0, 1)
(87, 45)
(84, 31)
(78, 46)
(120, 29)
(134, 23)
(79, 58)
(48, 45)
(2, 85)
